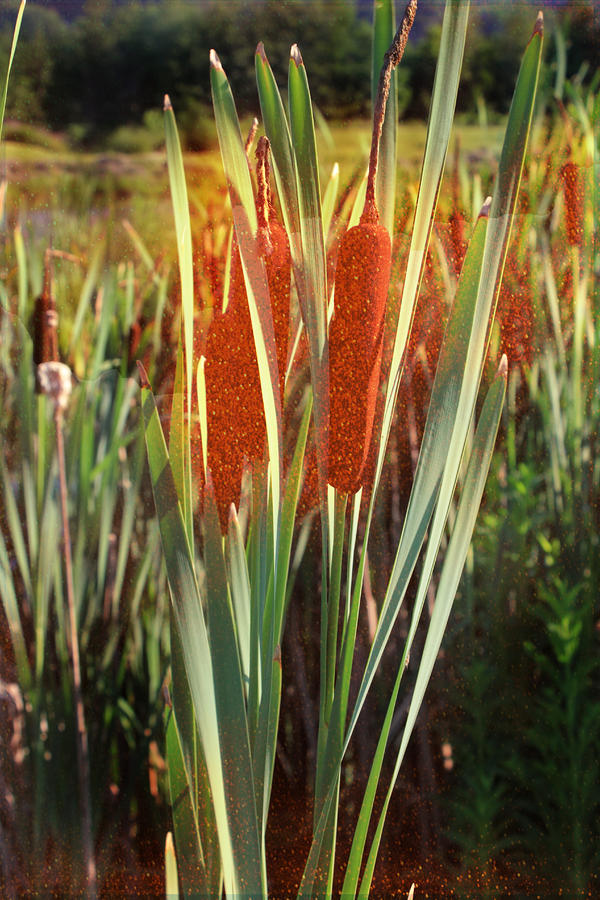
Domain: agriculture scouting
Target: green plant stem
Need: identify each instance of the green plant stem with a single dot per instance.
(333, 607)
(83, 759)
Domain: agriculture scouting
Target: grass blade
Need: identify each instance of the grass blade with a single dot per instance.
(384, 29)
(171, 882)
(309, 196)
(443, 103)
(477, 471)
(228, 688)
(11, 56)
(183, 232)
(190, 624)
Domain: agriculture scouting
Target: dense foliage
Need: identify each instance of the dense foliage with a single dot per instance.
(112, 64)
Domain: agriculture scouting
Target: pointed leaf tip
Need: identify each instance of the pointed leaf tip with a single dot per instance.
(503, 367)
(538, 28)
(485, 209)
(295, 54)
(215, 61)
(167, 103)
(260, 50)
(144, 383)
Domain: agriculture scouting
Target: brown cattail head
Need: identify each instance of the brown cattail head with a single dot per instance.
(45, 321)
(355, 349)
(45, 324)
(235, 415)
(573, 194)
(356, 332)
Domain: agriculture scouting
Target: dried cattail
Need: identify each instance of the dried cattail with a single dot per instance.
(573, 194)
(356, 330)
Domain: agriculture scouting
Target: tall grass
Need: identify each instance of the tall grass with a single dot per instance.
(76, 556)
(524, 784)
(229, 593)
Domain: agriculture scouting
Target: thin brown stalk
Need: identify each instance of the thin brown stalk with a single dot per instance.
(390, 61)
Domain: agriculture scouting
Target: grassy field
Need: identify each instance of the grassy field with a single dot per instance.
(50, 185)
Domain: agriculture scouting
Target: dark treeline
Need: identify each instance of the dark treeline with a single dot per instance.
(113, 63)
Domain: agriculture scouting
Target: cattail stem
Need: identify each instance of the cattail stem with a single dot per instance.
(390, 61)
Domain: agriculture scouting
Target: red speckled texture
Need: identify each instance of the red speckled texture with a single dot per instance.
(355, 348)
(573, 192)
(278, 265)
(235, 415)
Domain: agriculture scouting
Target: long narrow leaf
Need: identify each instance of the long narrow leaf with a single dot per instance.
(228, 689)
(477, 471)
(384, 29)
(190, 623)
(11, 56)
(183, 232)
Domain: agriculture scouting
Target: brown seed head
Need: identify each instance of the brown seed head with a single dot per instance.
(573, 194)
(355, 349)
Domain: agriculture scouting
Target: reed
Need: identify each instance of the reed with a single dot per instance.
(229, 618)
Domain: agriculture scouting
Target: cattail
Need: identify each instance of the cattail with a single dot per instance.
(45, 324)
(45, 321)
(235, 414)
(573, 193)
(356, 330)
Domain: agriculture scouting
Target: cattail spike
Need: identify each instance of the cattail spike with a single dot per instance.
(390, 61)
(573, 194)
